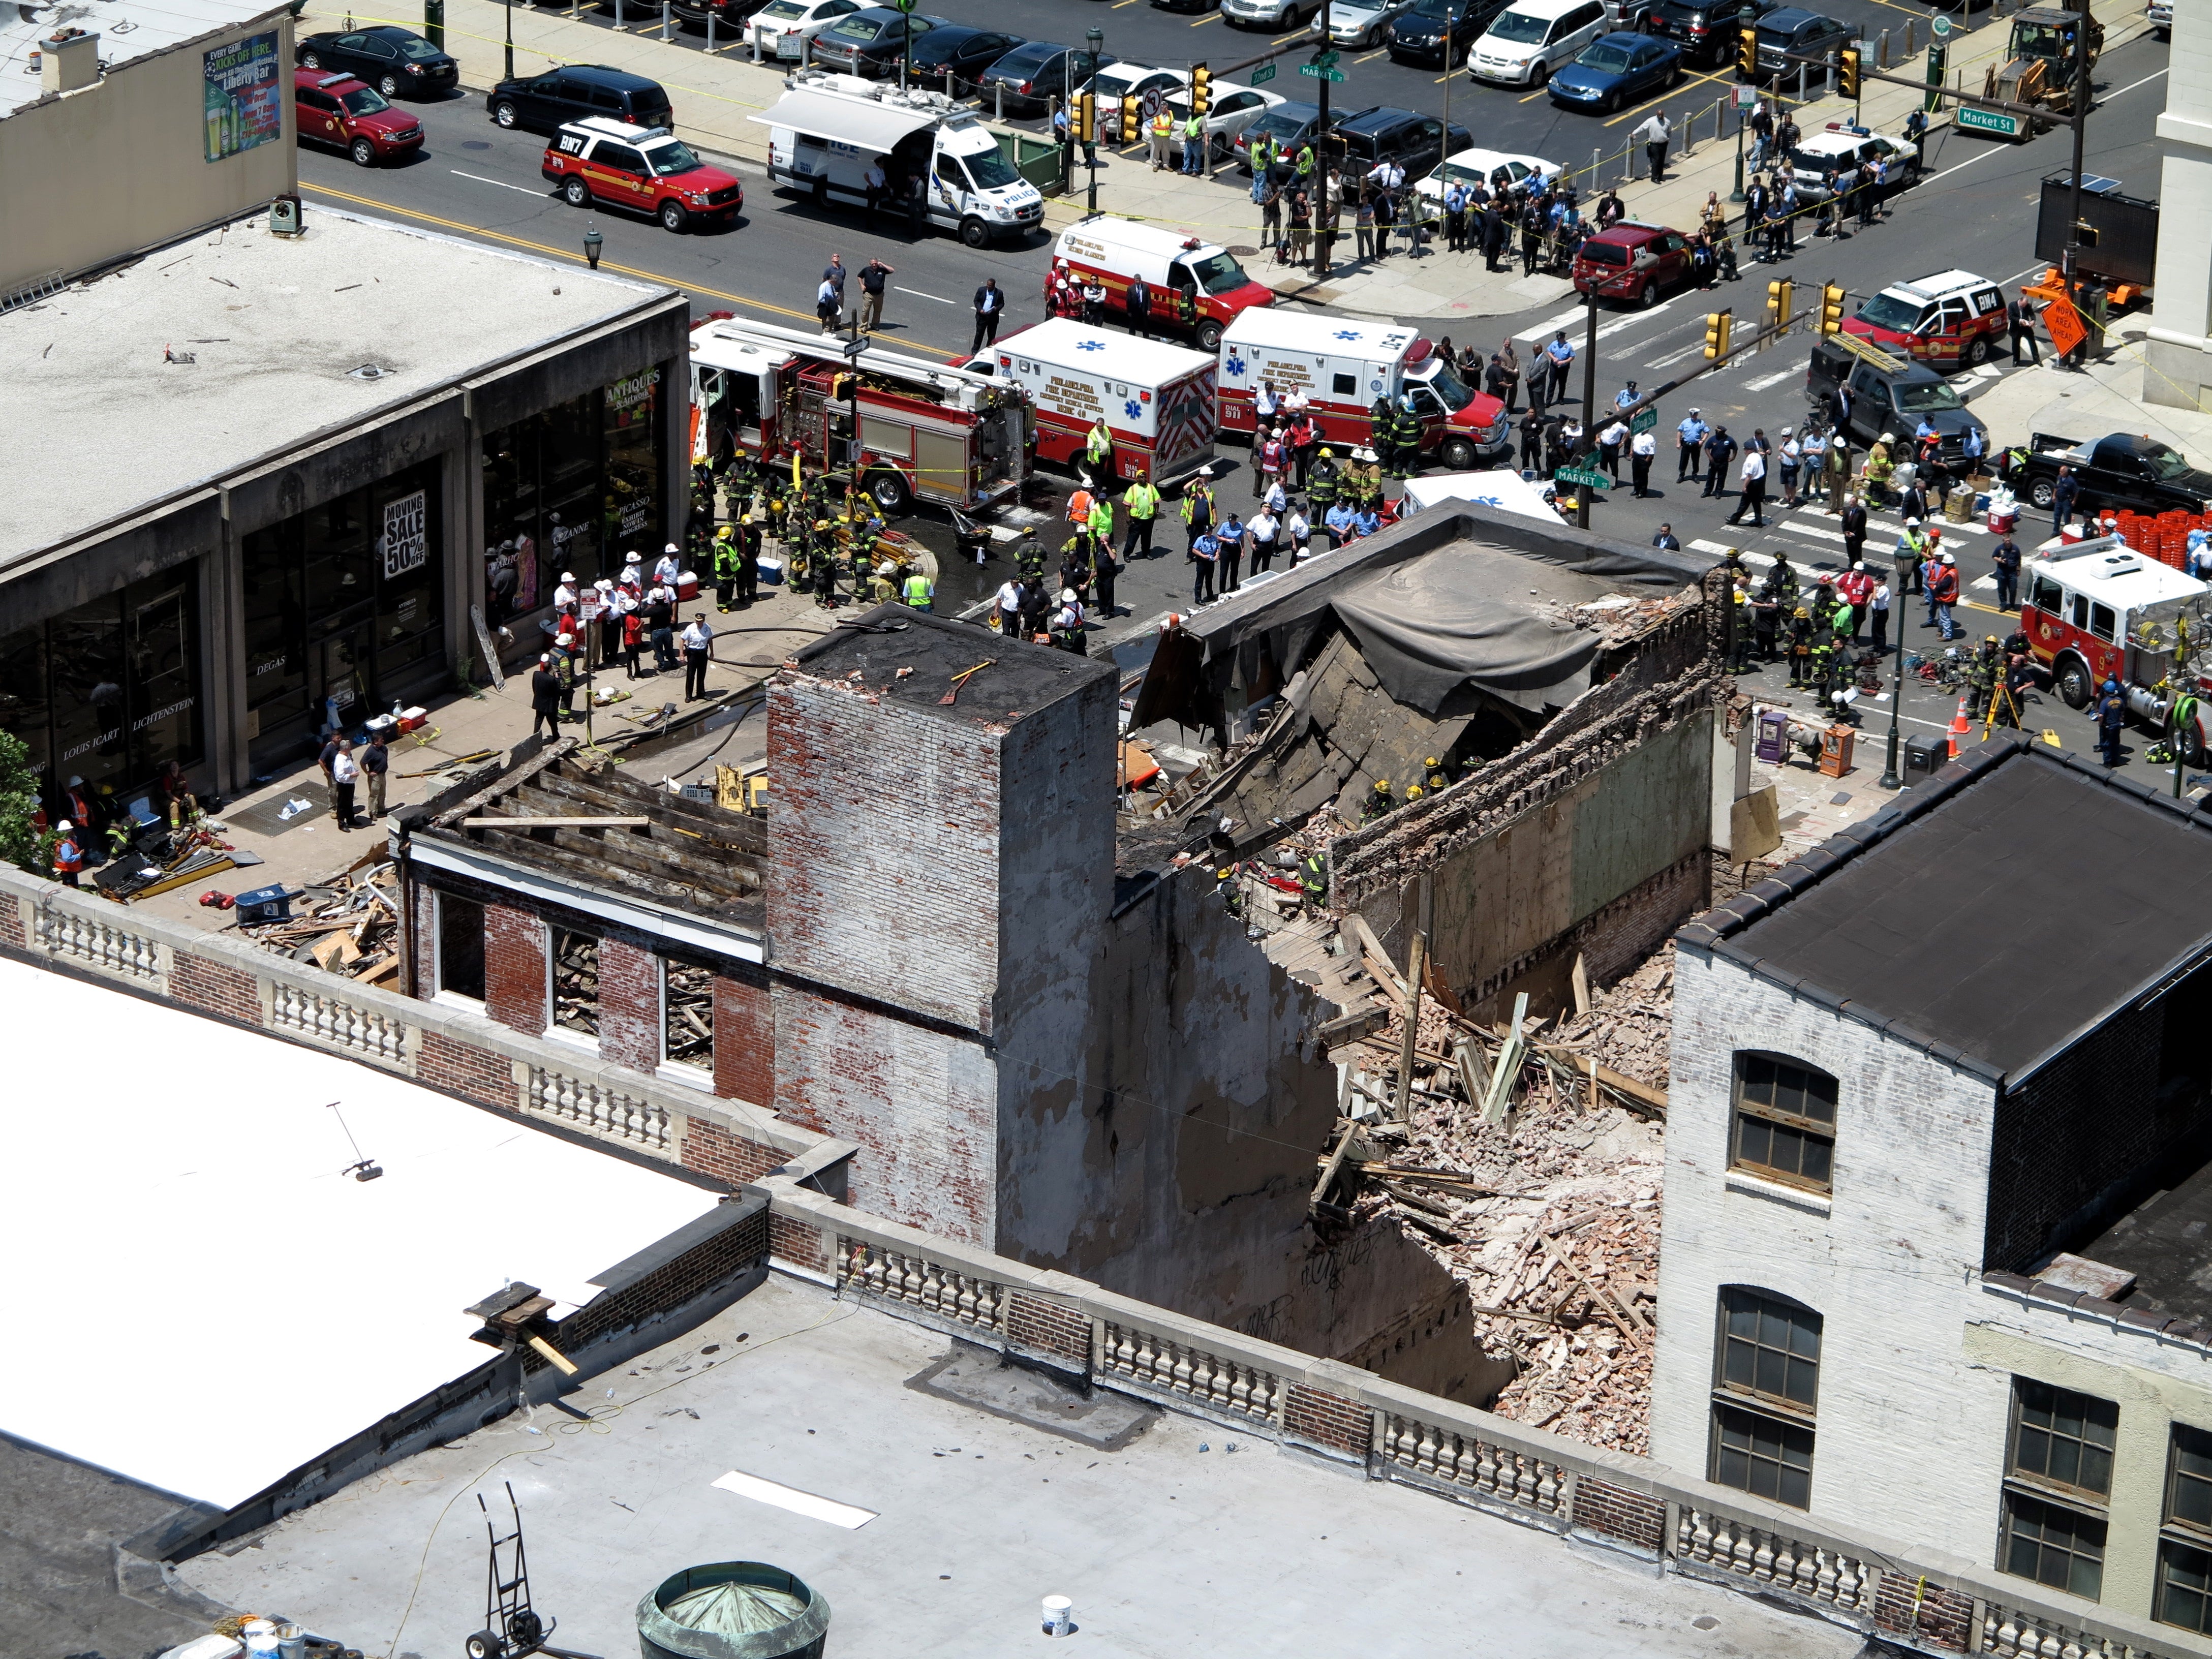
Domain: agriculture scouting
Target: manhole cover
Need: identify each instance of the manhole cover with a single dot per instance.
(475, 144)
(1239, 251)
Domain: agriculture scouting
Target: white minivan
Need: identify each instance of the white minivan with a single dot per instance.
(1531, 38)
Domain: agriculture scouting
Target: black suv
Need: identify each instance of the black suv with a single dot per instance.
(541, 103)
(1417, 36)
(1790, 34)
(1383, 134)
(1705, 32)
(1865, 402)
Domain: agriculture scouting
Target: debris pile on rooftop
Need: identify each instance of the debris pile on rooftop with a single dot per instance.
(347, 923)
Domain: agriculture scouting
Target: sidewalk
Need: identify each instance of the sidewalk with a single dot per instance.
(2105, 397)
(748, 645)
(715, 93)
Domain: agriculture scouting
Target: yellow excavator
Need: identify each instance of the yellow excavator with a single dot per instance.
(2038, 67)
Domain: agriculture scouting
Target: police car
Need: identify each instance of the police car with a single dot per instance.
(1823, 158)
(649, 169)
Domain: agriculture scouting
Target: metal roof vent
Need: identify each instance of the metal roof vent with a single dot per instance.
(732, 1610)
(367, 372)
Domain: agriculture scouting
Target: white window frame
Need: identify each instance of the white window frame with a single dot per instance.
(560, 1034)
(678, 1070)
(439, 992)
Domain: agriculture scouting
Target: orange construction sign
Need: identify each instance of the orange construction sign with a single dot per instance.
(2065, 325)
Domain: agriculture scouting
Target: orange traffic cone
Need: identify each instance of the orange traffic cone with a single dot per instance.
(1960, 726)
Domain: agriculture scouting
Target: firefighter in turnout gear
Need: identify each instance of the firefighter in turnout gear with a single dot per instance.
(1800, 646)
(1820, 657)
(1313, 876)
(739, 483)
(1379, 800)
(1321, 485)
(727, 559)
(1405, 439)
(1382, 429)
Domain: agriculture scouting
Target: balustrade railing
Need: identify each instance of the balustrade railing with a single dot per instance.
(919, 1282)
(99, 944)
(1176, 1368)
(2011, 1633)
(1714, 1539)
(596, 1109)
(329, 1018)
(1476, 1464)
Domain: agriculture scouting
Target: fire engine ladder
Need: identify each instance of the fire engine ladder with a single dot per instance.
(1867, 352)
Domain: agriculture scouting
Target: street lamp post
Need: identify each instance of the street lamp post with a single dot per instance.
(1325, 153)
(1095, 40)
(1590, 412)
(1890, 777)
(592, 242)
(1746, 21)
(508, 6)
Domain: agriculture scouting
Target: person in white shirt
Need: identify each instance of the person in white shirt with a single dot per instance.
(564, 596)
(1792, 456)
(1610, 437)
(1009, 608)
(633, 572)
(1265, 404)
(1275, 500)
(668, 568)
(1643, 448)
(345, 772)
(1294, 402)
(698, 652)
(1266, 530)
(1752, 475)
(1301, 534)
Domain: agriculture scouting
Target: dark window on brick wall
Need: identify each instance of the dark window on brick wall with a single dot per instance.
(2053, 1544)
(1785, 1121)
(1766, 1382)
(687, 1005)
(2061, 1438)
(1763, 1455)
(2183, 1595)
(576, 982)
(460, 946)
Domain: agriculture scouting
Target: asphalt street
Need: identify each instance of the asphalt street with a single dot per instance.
(1975, 209)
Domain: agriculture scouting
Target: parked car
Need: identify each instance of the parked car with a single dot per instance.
(1363, 23)
(952, 60)
(2158, 14)
(1417, 36)
(1952, 318)
(1792, 33)
(644, 169)
(729, 16)
(1383, 134)
(1704, 29)
(1867, 401)
(2119, 470)
(1494, 168)
(1633, 261)
(780, 31)
(393, 60)
(871, 41)
(338, 109)
(1289, 124)
(1233, 111)
(1037, 72)
(543, 103)
(1185, 5)
(1531, 38)
(1822, 157)
(1616, 69)
(1270, 15)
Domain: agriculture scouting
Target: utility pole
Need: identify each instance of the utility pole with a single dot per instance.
(1590, 412)
(2079, 110)
(1325, 153)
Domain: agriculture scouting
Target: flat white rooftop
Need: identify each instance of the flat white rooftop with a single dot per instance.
(128, 30)
(213, 1302)
(101, 424)
(1171, 1544)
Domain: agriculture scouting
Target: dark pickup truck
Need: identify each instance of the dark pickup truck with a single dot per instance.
(1865, 401)
(2122, 471)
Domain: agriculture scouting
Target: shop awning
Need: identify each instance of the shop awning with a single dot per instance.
(844, 120)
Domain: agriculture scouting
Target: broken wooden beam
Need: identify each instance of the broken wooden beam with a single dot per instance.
(1350, 1028)
(555, 823)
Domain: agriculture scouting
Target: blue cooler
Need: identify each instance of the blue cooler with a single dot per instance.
(265, 904)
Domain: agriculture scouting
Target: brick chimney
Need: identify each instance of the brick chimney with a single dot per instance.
(68, 59)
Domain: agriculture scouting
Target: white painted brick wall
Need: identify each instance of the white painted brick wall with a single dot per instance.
(1911, 1436)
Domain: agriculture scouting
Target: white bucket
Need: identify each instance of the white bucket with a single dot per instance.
(1059, 1615)
(263, 1646)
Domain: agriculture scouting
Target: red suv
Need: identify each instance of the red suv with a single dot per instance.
(1633, 261)
(336, 109)
(602, 159)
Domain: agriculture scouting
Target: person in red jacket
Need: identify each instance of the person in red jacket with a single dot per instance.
(1943, 593)
(69, 856)
(1856, 587)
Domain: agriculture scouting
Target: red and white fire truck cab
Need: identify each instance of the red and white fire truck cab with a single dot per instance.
(2094, 611)
(928, 431)
(1197, 289)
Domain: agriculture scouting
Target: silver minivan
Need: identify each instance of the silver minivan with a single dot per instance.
(1531, 38)
(1269, 14)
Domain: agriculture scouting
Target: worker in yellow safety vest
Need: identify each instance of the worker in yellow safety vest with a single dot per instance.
(1099, 454)
(1163, 131)
(921, 591)
(1141, 502)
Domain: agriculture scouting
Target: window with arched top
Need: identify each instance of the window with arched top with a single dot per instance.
(1783, 1125)
(1766, 1386)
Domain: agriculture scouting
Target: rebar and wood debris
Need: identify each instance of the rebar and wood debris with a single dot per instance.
(346, 924)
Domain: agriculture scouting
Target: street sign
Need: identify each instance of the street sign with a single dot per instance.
(1315, 72)
(1327, 59)
(1995, 121)
(1262, 74)
(1642, 421)
(1583, 474)
(1940, 26)
(1746, 97)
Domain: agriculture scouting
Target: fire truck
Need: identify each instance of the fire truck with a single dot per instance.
(2094, 610)
(912, 430)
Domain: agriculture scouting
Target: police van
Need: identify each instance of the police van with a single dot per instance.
(939, 164)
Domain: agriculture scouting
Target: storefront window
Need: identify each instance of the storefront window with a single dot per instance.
(276, 630)
(111, 690)
(569, 452)
(632, 424)
(408, 611)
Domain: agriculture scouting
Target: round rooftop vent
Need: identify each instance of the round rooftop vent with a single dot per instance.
(732, 1610)
(367, 372)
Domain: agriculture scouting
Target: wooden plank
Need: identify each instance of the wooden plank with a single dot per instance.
(554, 824)
(616, 793)
(506, 781)
(1335, 1162)
(1417, 950)
(1628, 1086)
(1580, 980)
(1350, 1028)
(1378, 959)
(717, 869)
(1508, 1069)
(1633, 1323)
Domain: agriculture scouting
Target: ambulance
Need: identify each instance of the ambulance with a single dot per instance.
(1197, 288)
(1159, 399)
(1343, 365)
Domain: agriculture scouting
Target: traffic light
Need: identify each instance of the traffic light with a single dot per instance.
(1717, 325)
(1779, 302)
(1201, 91)
(1832, 308)
(1086, 117)
(1747, 52)
(1847, 72)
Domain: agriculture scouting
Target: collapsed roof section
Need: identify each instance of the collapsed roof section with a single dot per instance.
(1457, 636)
